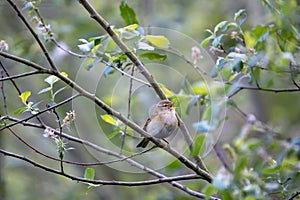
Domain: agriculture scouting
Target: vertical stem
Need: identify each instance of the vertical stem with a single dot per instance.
(128, 108)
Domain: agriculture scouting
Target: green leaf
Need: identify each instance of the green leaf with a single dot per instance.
(20, 110)
(219, 26)
(29, 6)
(250, 39)
(128, 14)
(145, 46)
(85, 48)
(24, 96)
(217, 41)
(240, 166)
(59, 90)
(206, 41)
(235, 87)
(240, 16)
(209, 190)
(158, 40)
(114, 133)
(65, 74)
(200, 88)
(167, 92)
(199, 145)
(89, 173)
(110, 45)
(109, 119)
(131, 27)
(154, 56)
(108, 70)
(221, 62)
(45, 90)
(51, 79)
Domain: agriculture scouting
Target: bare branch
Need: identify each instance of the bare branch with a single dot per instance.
(36, 37)
(24, 61)
(19, 76)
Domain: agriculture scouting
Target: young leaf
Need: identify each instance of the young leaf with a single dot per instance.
(65, 74)
(86, 47)
(108, 70)
(206, 41)
(24, 96)
(44, 90)
(240, 16)
(217, 41)
(128, 14)
(220, 26)
(109, 119)
(167, 92)
(89, 173)
(154, 56)
(199, 144)
(51, 79)
(145, 46)
(131, 27)
(59, 90)
(20, 110)
(114, 133)
(158, 40)
(250, 39)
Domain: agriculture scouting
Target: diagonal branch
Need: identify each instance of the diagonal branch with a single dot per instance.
(33, 33)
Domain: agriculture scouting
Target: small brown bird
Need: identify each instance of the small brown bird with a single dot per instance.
(162, 122)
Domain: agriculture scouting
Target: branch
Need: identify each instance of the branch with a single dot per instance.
(130, 161)
(39, 113)
(101, 182)
(19, 75)
(106, 26)
(36, 37)
(275, 90)
(24, 61)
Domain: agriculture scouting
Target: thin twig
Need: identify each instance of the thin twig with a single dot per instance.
(19, 76)
(68, 51)
(24, 61)
(128, 109)
(3, 95)
(12, 81)
(178, 53)
(292, 68)
(36, 37)
(61, 153)
(275, 90)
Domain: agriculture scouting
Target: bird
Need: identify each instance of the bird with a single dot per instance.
(161, 123)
